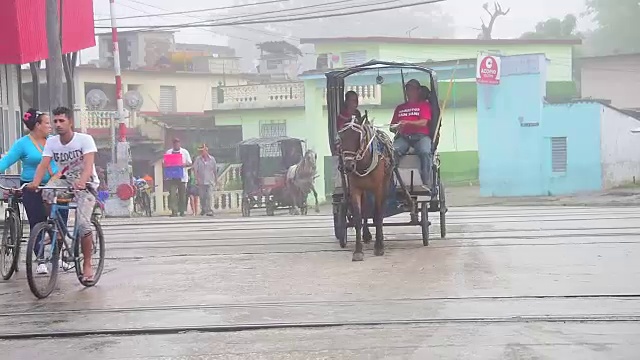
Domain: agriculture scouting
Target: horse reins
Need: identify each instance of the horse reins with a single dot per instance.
(364, 132)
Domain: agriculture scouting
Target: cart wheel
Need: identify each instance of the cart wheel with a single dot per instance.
(443, 210)
(424, 222)
(246, 210)
(340, 224)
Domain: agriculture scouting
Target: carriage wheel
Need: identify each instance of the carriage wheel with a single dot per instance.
(424, 223)
(443, 210)
(340, 224)
(246, 209)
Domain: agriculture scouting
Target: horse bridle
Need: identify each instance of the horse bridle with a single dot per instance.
(365, 133)
(364, 145)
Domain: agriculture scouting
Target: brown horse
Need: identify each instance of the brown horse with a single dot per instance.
(367, 159)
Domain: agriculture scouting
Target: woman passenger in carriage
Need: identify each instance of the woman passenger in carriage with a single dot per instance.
(411, 122)
(350, 109)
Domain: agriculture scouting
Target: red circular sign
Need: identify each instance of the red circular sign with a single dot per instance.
(489, 72)
(125, 191)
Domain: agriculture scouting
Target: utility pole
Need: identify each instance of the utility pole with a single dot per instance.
(55, 74)
(122, 127)
(119, 170)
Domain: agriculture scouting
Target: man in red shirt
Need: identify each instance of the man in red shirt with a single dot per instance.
(411, 124)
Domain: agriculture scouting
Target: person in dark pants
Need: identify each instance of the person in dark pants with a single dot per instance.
(178, 187)
(28, 150)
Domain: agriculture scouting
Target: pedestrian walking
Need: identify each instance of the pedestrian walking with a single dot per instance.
(178, 187)
(206, 177)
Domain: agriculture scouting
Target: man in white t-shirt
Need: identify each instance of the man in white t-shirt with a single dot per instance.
(178, 187)
(75, 154)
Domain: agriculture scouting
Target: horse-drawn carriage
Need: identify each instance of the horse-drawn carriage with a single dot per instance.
(265, 163)
(406, 192)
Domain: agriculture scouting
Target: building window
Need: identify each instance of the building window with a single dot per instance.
(559, 154)
(168, 99)
(272, 129)
(273, 64)
(353, 58)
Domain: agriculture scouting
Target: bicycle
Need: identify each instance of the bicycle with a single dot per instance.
(142, 199)
(71, 253)
(13, 231)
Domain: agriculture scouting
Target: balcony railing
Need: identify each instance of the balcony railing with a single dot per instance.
(367, 94)
(100, 119)
(259, 96)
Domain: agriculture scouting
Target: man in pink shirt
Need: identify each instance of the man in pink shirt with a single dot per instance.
(411, 124)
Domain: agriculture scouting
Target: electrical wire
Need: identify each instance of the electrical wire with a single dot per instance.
(280, 11)
(279, 20)
(195, 17)
(190, 11)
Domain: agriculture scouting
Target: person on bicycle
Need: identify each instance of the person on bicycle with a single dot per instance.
(28, 150)
(411, 122)
(75, 154)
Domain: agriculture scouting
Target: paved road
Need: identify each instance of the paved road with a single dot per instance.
(508, 283)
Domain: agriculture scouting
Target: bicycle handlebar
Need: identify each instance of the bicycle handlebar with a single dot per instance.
(14, 189)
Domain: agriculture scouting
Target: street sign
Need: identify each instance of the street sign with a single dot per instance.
(488, 69)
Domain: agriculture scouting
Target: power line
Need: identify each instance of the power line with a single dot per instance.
(190, 11)
(211, 31)
(279, 11)
(279, 20)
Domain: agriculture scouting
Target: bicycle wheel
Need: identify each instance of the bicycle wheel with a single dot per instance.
(49, 258)
(10, 246)
(98, 249)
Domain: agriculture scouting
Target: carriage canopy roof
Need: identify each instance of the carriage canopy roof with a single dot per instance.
(267, 141)
(378, 65)
(336, 87)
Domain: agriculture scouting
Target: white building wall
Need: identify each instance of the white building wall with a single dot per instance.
(620, 148)
(193, 91)
(10, 117)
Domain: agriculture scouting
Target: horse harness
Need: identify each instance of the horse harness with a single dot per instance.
(369, 139)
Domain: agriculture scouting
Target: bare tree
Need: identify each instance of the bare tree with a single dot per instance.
(486, 30)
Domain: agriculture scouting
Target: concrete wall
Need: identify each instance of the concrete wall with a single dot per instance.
(515, 131)
(580, 124)
(250, 121)
(620, 155)
(193, 90)
(611, 78)
(560, 56)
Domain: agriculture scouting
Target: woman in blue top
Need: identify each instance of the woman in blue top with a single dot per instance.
(28, 150)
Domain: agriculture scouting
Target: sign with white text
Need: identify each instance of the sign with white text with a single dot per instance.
(488, 69)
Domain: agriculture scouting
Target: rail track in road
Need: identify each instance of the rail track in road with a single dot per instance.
(475, 276)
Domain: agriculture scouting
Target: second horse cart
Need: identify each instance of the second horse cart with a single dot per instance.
(265, 162)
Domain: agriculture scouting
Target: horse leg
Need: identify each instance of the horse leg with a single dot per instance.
(295, 200)
(356, 200)
(315, 196)
(366, 233)
(380, 199)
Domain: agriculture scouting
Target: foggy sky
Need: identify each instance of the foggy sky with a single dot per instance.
(523, 17)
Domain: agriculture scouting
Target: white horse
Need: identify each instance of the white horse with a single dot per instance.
(299, 181)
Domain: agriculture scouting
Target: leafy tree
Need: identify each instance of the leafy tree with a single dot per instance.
(555, 28)
(618, 26)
